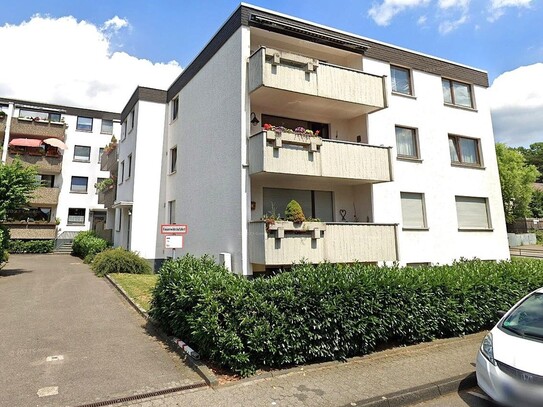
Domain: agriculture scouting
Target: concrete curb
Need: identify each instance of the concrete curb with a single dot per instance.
(419, 394)
(204, 372)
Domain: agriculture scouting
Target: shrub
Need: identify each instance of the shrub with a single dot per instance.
(119, 260)
(87, 244)
(4, 242)
(31, 246)
(325, 312)
(294, 212)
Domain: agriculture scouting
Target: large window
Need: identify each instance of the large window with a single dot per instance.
(413, 210)
(34, 114)
(107, 126)
(173, 160)
(472, 213)
(82, 153)
(79, 185)
(406, 142)
(46, 180)
(100, 152)
(84, 123)
(465, 151)
(401, 80)
(315, 204)
(457, 93)
(76, 216)
(175, 108)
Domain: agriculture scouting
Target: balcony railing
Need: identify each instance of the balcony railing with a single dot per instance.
(108, 161)
(37, 128)
(32, 230)
(286, 153)
(333, 242)
(45, 196)
(46, 164)
(285, 71)
(107, 197)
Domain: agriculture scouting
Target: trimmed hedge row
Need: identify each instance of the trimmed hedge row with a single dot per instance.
(119, 260)
(31, 246)
(86, 245)
(324, 312)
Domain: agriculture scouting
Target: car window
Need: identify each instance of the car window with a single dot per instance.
(527, 318)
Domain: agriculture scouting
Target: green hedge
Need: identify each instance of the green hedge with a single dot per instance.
(31, 246)
(4, 242)
(325, 312)
(119, 260)
(86, 245)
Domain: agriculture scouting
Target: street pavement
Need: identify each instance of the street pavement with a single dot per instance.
(466, 398)
(68, 338)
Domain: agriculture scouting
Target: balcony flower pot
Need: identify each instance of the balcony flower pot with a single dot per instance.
(279, 227)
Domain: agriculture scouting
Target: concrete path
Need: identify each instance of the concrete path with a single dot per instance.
(68, 338)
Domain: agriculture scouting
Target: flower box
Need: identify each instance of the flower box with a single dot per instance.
(279, 227)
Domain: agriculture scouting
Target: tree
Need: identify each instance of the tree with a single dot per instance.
(534, 156)
(17, 183)
(536, 204)
(516, 178)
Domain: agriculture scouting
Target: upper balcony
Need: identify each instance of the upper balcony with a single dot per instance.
(108, 161)
(45, 196)
(297, 154)
(48, 163)
(319, 87)
(37, 128)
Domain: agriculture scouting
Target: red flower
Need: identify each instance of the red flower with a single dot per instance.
(317, 132)
(267, 126)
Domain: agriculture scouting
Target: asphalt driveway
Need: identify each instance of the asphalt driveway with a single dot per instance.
(68, 338)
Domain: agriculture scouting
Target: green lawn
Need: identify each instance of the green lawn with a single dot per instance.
(138, 286)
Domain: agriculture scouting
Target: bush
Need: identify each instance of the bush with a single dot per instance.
(294, 212)
(31, 246)
(325, 312)
(119, 260)
(4, 242)
(86, 245)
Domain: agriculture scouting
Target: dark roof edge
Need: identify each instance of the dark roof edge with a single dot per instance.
(144, 94)
(70, 110)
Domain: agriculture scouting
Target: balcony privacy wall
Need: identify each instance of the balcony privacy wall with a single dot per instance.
(32, 230)
(37, 129)
(45, 197)
(45, 165)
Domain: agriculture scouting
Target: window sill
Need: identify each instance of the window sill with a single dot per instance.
(474, 167)
(75, 224)
(84, 130)
(408, 229)
(475, 230)
(109, 134)
(469, 109)
(405, 95)
(81, 161)
(79, 192)
(172, 172)
(410, 159)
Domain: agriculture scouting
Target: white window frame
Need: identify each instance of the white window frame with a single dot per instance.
(86, 130)
(75, 191)
(82, 160)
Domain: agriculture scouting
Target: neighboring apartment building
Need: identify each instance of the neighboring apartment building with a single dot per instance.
(65, 144)
(403, 170)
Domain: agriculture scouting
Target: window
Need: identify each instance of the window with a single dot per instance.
(79, 184)
(457, 93)
(121, 178)
(171, 212)
(132, 120)
(29, 214)
(129, 172)
(98, 180)
(173, 160)
(315, 204)
(401, 80)
(53, 117)
(84, 123)
(47, 181)
(82, 153)
(465, 151)
(406, 142)
(175, 108)
(76, 216)
(118, 219)
(472, 213)
(413, 210)
(107, 126)
(100, 152)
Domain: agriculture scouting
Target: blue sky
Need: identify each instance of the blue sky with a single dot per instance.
(160, 38)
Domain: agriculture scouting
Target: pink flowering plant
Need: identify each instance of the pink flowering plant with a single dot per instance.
(298, 130)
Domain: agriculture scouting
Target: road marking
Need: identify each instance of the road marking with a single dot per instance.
(54, 358)
(48, 391)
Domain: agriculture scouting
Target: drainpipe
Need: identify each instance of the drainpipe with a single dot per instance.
(7, 132)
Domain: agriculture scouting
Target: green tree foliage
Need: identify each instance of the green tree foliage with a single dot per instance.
(516, 178)
(17, 183)
(534, 156)
(536, 204)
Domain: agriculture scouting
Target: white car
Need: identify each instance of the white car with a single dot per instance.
(510, 360)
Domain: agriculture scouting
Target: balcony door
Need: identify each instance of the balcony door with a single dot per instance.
(315, 204)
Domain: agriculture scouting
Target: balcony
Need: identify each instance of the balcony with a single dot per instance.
(44, 196)
(280, 245)
(21, 126)
(3, 120)
(294, 154)
(107, 197)
(32, 230)
(45, 164)
(318, 87)
(108, 161)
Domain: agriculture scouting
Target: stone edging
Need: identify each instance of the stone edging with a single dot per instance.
(196, 364)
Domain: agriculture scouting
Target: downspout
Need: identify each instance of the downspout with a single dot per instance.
(7, 133)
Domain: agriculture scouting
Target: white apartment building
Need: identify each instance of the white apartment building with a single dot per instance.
(65, 144)
(403, 168)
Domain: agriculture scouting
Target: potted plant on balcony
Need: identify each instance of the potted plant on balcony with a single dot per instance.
(105, 185)
(111, 146)
(295, 221)
(2, 115)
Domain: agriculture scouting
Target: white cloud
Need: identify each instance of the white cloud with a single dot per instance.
(446, 27)
(446, 4)
(422, 20)
(516, 104)
(384, 13)
(65, 61)
(497, 7)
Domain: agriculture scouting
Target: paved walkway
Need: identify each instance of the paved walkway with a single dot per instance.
(361, 381)
(52, 306)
